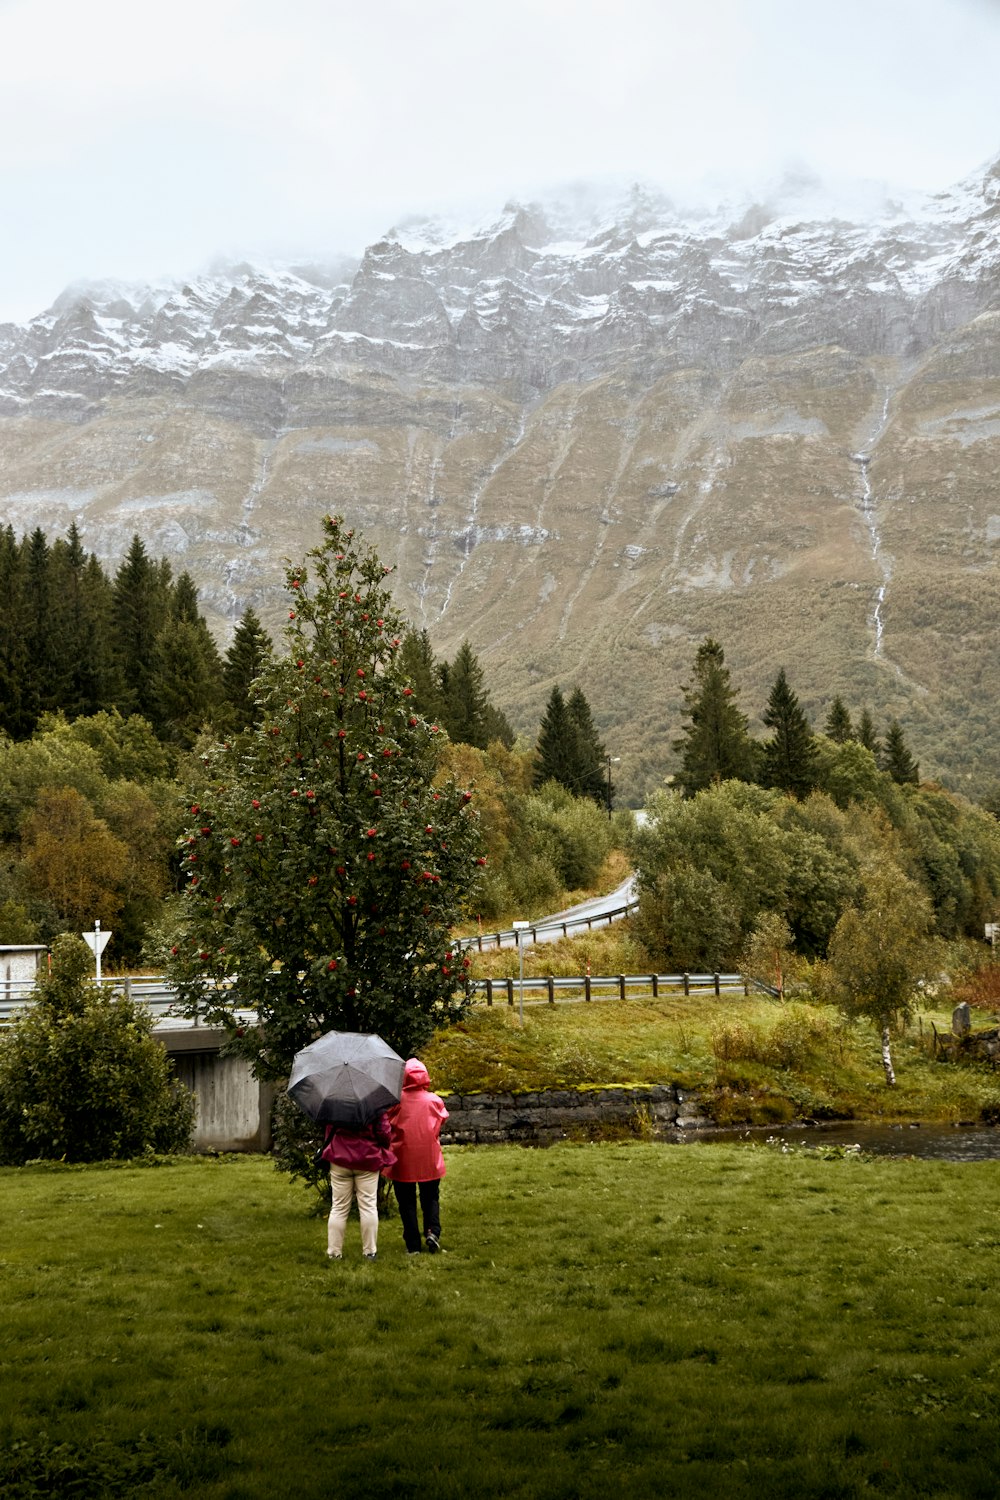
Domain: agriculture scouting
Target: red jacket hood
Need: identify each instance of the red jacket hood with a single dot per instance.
(415, 1075)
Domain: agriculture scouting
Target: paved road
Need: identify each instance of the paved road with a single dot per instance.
(549, 929)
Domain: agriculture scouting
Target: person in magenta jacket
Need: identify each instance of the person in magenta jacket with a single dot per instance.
(357, 1156)
(416, 1123)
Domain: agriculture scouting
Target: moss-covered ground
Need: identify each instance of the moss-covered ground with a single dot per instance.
(752, 1060)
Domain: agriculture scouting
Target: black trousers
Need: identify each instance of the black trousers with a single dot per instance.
(406, 1197)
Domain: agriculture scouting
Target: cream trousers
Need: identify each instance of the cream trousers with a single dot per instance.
(345, 1184)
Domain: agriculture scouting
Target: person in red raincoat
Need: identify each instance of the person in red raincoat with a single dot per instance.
(416, 1123)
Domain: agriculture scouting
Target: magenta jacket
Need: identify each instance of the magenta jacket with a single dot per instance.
(416, 1124)
(360, 1148)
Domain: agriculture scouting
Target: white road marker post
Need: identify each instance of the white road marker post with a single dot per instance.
(520, 928)
(97, 941)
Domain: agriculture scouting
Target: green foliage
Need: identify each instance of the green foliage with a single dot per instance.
(245, 660)
(589, 753)
(866, 734)
(574, 831)
(417, 664)
(87, 823)
(788, 1039)
(788, 758)
(16, 923)
(81, 1076)
(73, 643)
(848, 773)
(541, 844)
(126, 749)
(453, 694)
(880, 950)
(295, 1144)
(838, 726)
(689, 919)
(767, 955)
(467, 700)
(896, 757)
(325, 862)
(140, 610)
(715, 744)
(568, 751)
(707, 866)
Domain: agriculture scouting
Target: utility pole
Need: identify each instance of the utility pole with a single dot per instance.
(612, 760)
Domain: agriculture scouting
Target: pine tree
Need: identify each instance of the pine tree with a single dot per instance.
(464, 714)
(789, 756)
(498, 727)
(715, 744)
(16, 718)
(588, 752)
(326, 861)
(41, 685)
(245, 660)
(139, 611)
(416, 660)
(184, 685)
(554, 748)
(896, 757)
(866, 734)
(186, 681)
(838, 726)
(81, 599)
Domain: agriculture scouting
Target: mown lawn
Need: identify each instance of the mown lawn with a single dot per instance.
(637, 1320)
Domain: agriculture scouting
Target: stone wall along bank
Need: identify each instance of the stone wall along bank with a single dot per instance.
(551, 1114)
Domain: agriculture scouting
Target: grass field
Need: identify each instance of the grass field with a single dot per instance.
(637, 1320)
(753, 1061)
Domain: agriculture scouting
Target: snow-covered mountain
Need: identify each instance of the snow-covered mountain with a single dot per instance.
(541, 295)
(591, 430)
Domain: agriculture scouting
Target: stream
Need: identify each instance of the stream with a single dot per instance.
(929, 1142)
(870, 518)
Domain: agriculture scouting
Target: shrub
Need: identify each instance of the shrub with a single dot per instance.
(787, 1044)
(81, 1076)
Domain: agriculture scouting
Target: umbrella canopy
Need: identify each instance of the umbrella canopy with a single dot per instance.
(346, 1078)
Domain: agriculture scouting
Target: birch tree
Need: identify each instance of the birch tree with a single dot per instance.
(880, 951)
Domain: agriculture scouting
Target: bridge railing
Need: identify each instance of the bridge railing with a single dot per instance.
(151, 990)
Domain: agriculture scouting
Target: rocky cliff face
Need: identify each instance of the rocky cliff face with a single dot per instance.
(587, 437)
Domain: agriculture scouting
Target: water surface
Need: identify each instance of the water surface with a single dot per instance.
(930, 1142)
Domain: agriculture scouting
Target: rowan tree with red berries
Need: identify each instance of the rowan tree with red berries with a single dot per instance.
(326, 859)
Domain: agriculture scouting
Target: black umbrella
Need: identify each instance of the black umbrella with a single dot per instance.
(346, 1078)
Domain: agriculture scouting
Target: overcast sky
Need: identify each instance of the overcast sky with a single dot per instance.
(144, 140)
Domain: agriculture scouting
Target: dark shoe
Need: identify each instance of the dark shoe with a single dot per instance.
(417, 1251)
(373, 1256)
(433, 1244)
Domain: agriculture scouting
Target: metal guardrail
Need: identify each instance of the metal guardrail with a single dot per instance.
(152, 991)
(563, 927)
(621, 986)
(160, 998)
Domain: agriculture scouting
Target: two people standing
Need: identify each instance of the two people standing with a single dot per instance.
(403, 1143)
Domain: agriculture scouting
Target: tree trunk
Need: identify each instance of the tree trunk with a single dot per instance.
(890, 1076)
